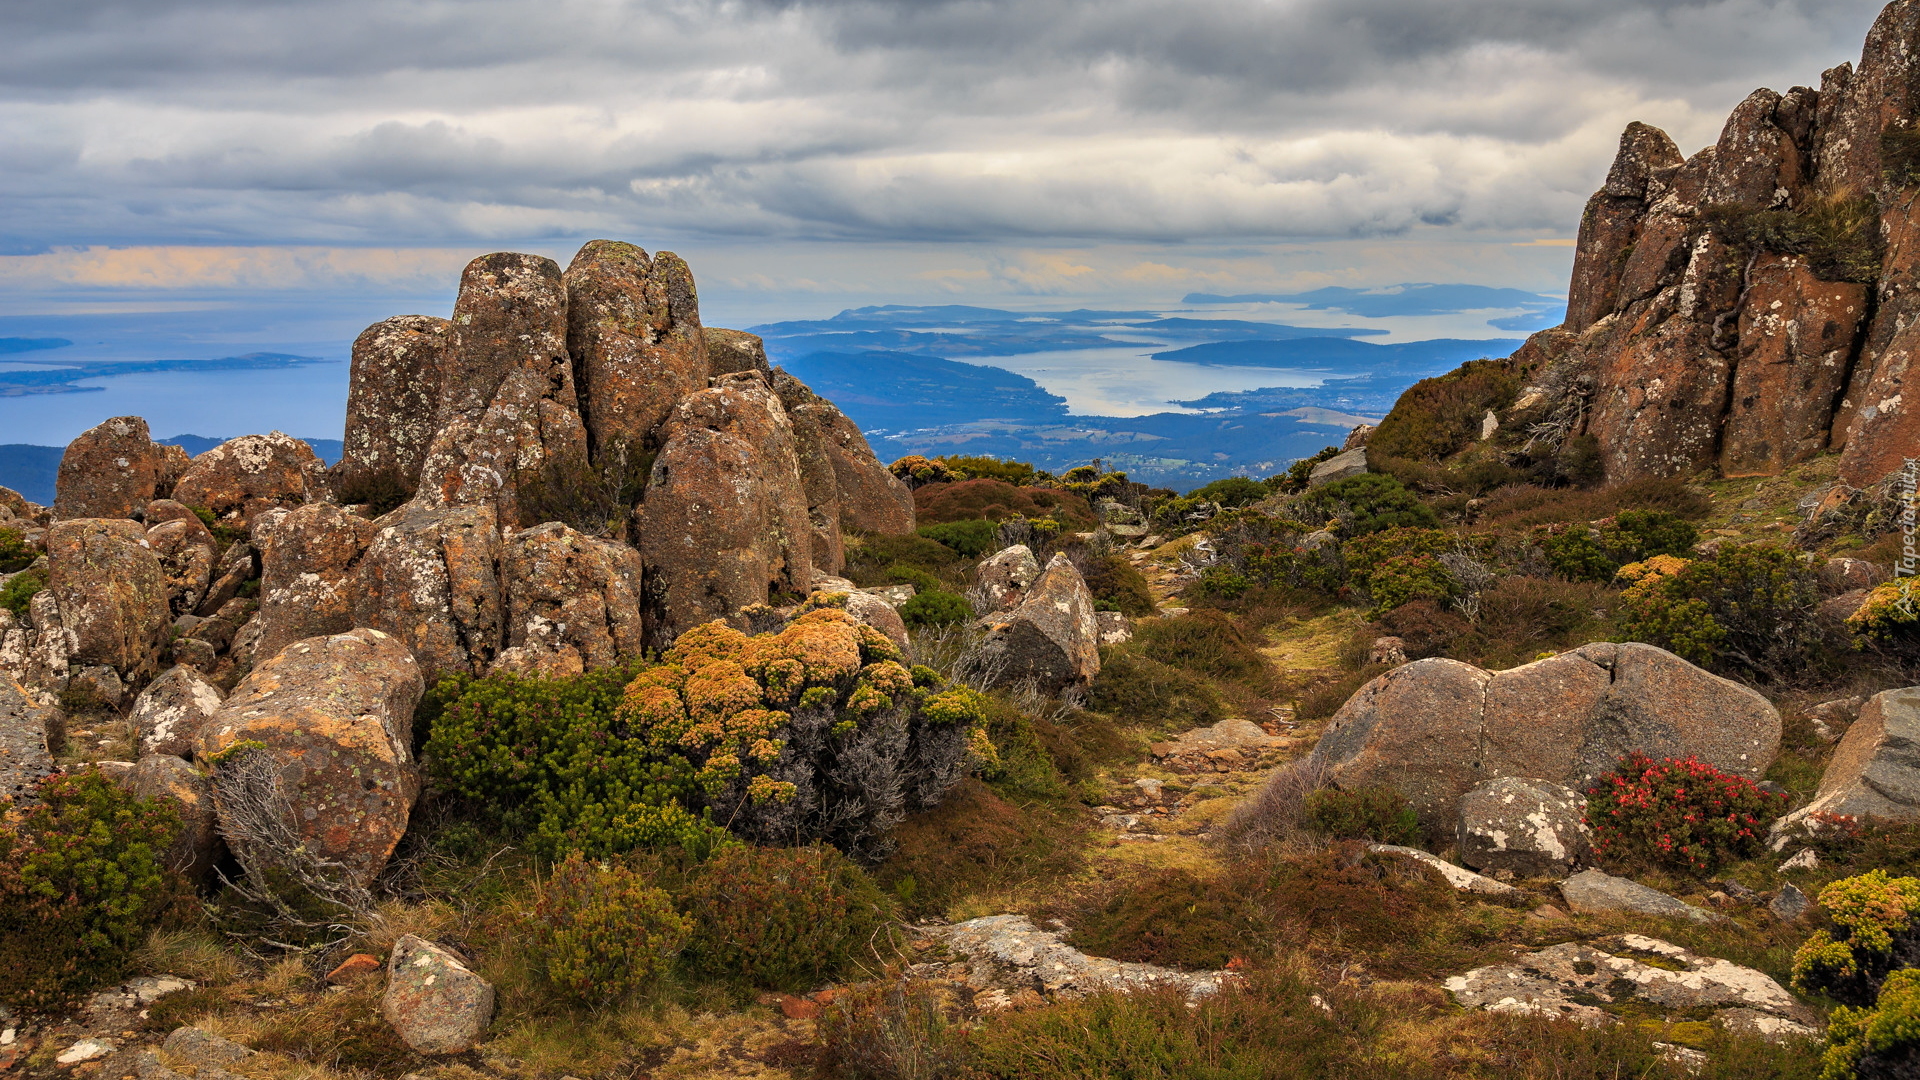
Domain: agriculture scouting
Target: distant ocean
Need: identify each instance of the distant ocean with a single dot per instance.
(308, 401)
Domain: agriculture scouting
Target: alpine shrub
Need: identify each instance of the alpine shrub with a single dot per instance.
(1583, 553)
(1873, 934)
(1878, 1042)
(18, 592)
(1748, 608)
(917, 471)
(1138, 690)
(15, 553)
(1117, 586)
(602, 932)
(1679, 813)
(935, 608)
(814, 733)
(1406, 578)
(1380, 814)
(1232, 491)
(783, 918)
(1366, 504)
(82, 878)
(982, 466)
(1438, 416)
(971, 538)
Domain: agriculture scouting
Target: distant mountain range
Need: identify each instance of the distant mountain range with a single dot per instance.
(1413, 298)
(31, 470)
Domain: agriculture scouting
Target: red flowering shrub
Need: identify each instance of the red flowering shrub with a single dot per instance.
(1678, 813)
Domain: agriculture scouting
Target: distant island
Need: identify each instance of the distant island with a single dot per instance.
(28, 344)
(64, 378)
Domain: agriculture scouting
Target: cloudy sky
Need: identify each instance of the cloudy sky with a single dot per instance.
(808, 155)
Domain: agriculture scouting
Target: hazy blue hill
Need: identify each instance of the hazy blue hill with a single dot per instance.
(32, 470)
(1414, 298)
(1319, 353)
(970, 331)
(895, 391)
(22, 344)
(64, 378)
(1241, 330)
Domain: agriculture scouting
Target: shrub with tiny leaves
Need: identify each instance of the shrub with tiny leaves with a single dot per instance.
(784, 918)
(1873, 933)
(81, 881)
(603, 932)
(1372, 813)
(1678, 813)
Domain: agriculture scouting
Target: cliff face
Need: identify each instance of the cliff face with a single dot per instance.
(1756, 304)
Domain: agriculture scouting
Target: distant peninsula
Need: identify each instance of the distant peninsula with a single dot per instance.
(65, 378)
(31, 344)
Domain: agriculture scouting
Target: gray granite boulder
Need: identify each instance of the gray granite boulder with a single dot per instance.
(1533, 828)
(1052, 639)
(1875, 770)
(1593, 891)
(1340, 467)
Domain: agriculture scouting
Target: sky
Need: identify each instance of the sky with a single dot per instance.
(342, 159)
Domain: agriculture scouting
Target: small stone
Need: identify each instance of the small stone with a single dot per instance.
(354, 967)
(794, 1008)
(85, 1050)
(1807, 859)
(1789, 904)
(203, 1049)
(1594, 891)
(435, 1004)
(1460, 878)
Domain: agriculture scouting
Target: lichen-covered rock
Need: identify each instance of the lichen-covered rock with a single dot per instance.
(1532, 828)
(1875, 770)
(1008, 951)
(1433, 729)
(169, 713)
(431, 578)
(35, 651)
(725, 518)
(729, 351)
(309, 564)
(1594, 891)
(239, 564)
(568, 592)
(1052, 639)
(1797, 334)
(25, 758)
(392, 400)
(433, 1002)
(868, 497)
(871, 610)
(1342, 466)
(335, 715)
(187, 553)
(111, 470)
(1633, 974)
(633, 327)
(817, 479)
(1005, 576)
(1462, 880)
(111, 591)
(165, 776)
(245, 477)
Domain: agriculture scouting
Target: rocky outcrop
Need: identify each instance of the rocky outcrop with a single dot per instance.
(431, 577)
(1052, 639)
(1531, 828)
(1005, 576)
(335, 715)
(572, 602)
(1726, 310)
(169, 714)
(112, 470)
(1874, 773)
(309, 563)
(1434, 729)
(1009, 951)
(633, 328)
(111, 591)
(729, 351)
(725, 520)
(393, 401)
(433, 1002)
(1592, 891)
(187, 553)
(243, 478)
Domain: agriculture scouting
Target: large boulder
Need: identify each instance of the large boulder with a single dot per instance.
(111, 470)
(164, 776)
(725, 519)
(111, 590)
(1593, 892)
(729, 351)
(309, 563)
(1874, 773)
(633, 327)
(245, 477)
(866, 495)
(1433, 729)
(392, 401)
(335, 717)
(1005, 576)
(187, 553)
(433, 1001)
(570, 594)
(1343, 466)
(25, 758)
(430, 577)
(169, 714)
(1532, 828)
(1052, 639)
(239, 564)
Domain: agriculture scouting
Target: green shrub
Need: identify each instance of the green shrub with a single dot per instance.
(602, 932)
(816, 732)
(984, 467)
(1379, 814)
(1139, 690)
(1438, 416)
(1204, 642)
(936, 608)
(1838, 234)
(1748, 608)
(1173, 919)
(1117, 586)
(1023, 765)
(1576, 554)
(995, 500)
(1232, 491)
(1679, 813)
(899, 560)
(1406, 578)
(18, 592)
(1581, 553)
(1878, 1042)
(1873, 935)
(81, 882)
(1366, 504)
(970, 539)
(889, 1030)
(917, 471)
(785, 918)
(976, 841)
(15, 553)
(903, 574)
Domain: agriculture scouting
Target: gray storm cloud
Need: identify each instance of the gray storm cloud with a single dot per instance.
(373, 121)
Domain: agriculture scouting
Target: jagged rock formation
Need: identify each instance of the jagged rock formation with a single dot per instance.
(392, 401)
(1753, 305)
